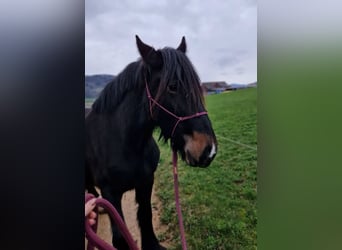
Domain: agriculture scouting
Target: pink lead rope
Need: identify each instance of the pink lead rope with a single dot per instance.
(178, 207)
(174, 158)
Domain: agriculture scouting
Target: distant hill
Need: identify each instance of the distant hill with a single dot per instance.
(95, 83)
(253, 84)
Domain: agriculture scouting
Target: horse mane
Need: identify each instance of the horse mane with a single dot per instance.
(114, 92)
(175, 65)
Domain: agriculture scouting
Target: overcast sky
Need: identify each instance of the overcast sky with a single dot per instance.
(221, 35)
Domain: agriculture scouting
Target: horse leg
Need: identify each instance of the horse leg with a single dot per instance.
(115, 198)
(143, 197)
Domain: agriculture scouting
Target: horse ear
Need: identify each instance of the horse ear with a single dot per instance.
(182, 45)
(143, 48)
(149, 54)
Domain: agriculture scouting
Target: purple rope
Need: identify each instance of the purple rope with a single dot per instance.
(91, 235)
(91, 246)
(95, 241)
(178, 207)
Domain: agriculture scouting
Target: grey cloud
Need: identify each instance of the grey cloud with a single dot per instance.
(239, 70)
(227, 61)
(227, 57)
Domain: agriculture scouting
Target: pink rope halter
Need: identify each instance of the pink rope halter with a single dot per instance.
(178, 118)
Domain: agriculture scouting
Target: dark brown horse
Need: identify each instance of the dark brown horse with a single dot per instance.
(121, 153)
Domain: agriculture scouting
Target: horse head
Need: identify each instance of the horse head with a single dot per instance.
(176, 102)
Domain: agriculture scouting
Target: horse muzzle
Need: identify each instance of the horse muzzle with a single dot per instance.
(200, 149)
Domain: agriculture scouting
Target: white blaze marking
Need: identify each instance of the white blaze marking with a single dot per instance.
(213, 151)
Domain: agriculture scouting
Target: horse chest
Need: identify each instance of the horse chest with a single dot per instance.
(131, 167)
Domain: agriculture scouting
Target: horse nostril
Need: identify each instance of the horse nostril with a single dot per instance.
(207, 155)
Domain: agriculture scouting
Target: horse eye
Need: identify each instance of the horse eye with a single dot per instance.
(172, 87)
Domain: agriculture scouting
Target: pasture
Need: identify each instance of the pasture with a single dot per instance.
(219, 203)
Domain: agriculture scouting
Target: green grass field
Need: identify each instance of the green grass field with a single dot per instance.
(219, 203)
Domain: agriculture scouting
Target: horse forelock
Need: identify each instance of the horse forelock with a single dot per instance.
(176, 65)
